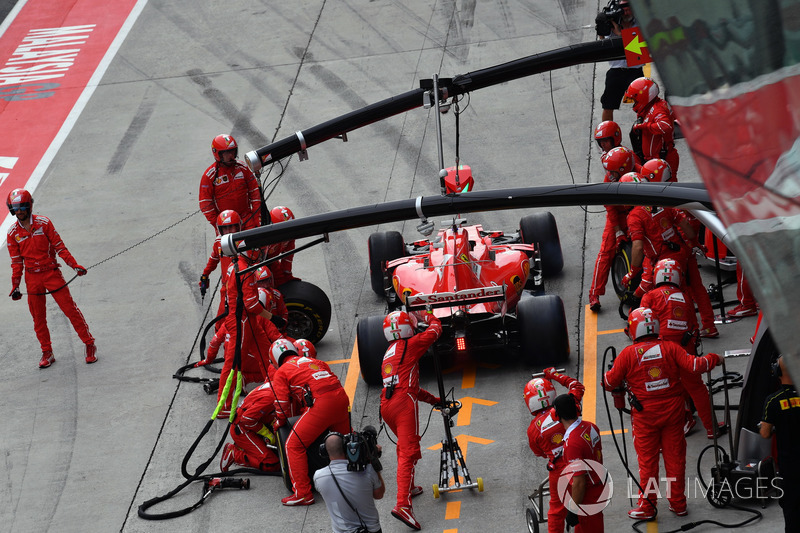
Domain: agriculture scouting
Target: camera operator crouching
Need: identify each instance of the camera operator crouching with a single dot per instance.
(352, 482)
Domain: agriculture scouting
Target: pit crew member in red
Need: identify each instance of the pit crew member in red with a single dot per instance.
(227, 222)
(678, 323)
(651, 369)
(400, 398)
(283, 267)
(252, 430)
(327, 407)
(582, 444)
(33, 243)
(229, 184)
(655, 122)
(546, 434)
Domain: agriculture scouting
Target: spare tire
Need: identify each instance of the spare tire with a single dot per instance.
(309, 310)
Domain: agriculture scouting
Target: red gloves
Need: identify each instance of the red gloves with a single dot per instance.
(549, 372)
(626, 280)
(713, 360)
(79, 270)
(622, 238)
(15, 294)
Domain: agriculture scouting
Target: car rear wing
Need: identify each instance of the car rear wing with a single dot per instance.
(477, 295)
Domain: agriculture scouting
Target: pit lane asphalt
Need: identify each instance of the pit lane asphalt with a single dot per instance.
(84, 446)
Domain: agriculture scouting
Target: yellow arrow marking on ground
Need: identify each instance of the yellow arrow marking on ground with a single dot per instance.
(465, 413)
(636, 45)
(463, 443)
(470, 371)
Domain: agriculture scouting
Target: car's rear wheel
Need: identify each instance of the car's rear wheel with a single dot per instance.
(309, 310)
(544, 338)
(542, 228)
(383, 246)
(372, 346)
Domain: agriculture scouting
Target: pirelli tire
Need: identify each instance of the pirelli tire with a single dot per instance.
(383, 246)
(309, 310)
(372, 346)
(542, 323)
(620, 266)
(315, 460)
(541, 228)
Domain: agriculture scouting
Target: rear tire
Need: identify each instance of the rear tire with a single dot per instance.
(542, 228)
(372, 346)
(620, 266)
(542, 324)
(309, 310)
(383, 246)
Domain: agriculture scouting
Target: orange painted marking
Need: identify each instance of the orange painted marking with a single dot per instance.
(616, 432)
(590, 365)
(470, 370)
(351, 381)
(465, 414)
(463, 443)
(453, 511)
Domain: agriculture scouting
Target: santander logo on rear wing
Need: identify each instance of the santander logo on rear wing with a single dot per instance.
(473, 296)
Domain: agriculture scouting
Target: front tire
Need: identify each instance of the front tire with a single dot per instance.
(383, 246)
(372, 346)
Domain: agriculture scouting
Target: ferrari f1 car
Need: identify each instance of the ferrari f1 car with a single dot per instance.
(485, 286)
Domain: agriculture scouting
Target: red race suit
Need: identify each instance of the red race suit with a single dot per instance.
(213, 260)
(230, 187)
(281, 269)
(34, 253)
(581, 443)
(658, 127)
(615, 230)
(294, 378)
(677, 320)
(651, 369)
(253, 424)
(255, 358)
(400, 372)
(546, 439)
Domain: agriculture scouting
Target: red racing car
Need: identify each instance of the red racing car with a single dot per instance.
(485, 286)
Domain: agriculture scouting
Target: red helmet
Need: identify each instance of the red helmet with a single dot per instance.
(230, 221)
(222, 143)
(632, 177)
(280, 214)
(280, 350)
(398, 325)
(19, 200)
(657, 170)
(264, 277)
(619, 160)
(640, 93)
(305, 348)
(641, 323)
(539, 394)
(252, 256)
(667, 271)
(608, 129)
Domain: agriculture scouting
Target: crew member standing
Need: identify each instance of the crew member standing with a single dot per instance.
(582, 443)
(651, 369)
(782, 418)
(655, 123)
(283, 267)
(227, 222)
(619, 74)
(546, 435)
(328, 407)
(33, 243)
(400, 396)
(678, 323)
(229, 184)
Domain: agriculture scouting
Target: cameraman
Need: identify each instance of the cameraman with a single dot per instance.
(614, 18)
(349, 494)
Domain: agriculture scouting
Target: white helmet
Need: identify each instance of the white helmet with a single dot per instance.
(398, 325)
(539, 394)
